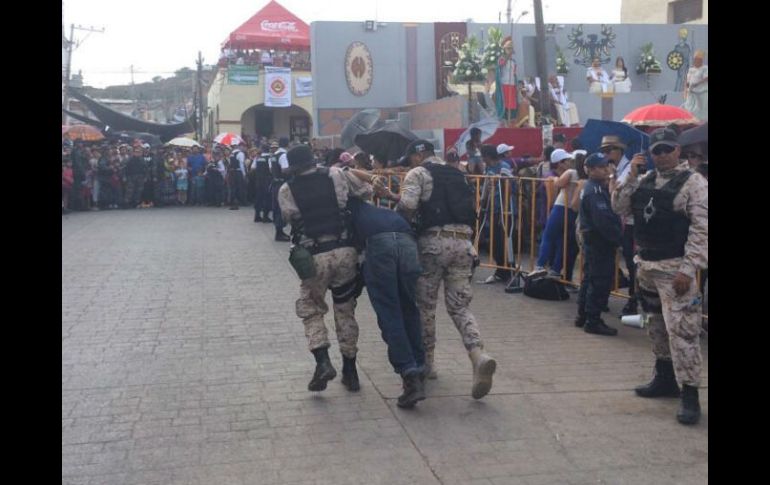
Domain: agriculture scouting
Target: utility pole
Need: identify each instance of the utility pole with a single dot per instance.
(199, 101)
(70, 43)
(508, 13)
(542, 70)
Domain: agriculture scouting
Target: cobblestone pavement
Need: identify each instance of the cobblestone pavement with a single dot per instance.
(183, 363)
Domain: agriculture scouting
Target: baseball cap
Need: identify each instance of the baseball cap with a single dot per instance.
(663, 136)
(418, 146)
(502, 148)
(559, 155)
(597, 160)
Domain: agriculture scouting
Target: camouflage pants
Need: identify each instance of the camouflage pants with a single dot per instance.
(334, 270)
(674, 322)
(450, 260)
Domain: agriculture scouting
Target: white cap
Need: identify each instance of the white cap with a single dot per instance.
(560, 154)
(579, 152)
(502, 148)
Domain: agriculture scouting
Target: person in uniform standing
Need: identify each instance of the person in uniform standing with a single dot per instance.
(670, 209)
(601, 234)
(262, 179)
(313, 201)
(236, 175)
(444, 203)
(278, 167)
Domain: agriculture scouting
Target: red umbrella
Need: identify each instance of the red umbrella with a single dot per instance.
(660, 115)
(228, 139)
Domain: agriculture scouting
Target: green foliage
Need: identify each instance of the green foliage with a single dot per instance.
(468, 66)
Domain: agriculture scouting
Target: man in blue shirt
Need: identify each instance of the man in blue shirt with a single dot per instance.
(391, 270)
(196, 163)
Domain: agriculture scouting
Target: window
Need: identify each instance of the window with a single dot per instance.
(685, 11)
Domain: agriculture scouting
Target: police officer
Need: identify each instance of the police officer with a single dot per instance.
(236, 174)
(262, 180)
(444, 204)
(278, 166)
(670, 209)
(314, 201)
(600, 228)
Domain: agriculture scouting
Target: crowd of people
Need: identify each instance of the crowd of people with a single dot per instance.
(604, 204)
(299, 60)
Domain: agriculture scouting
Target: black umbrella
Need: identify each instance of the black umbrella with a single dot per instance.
(699, 134)
(362, 122)
(387, 142)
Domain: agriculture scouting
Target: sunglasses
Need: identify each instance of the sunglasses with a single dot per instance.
(662, 150)
(606, 150)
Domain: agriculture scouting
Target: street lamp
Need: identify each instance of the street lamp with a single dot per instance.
(525, 12)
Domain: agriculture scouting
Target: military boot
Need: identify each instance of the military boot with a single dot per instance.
(689, 408)
(596, 326)
(630, 307)
(324, 371)
(281, 236)
(483, 368)
(430, 369)
(663, 382)
(414, 390)
(349, 374)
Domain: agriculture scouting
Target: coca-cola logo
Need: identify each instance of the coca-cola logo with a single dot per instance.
(278, 26)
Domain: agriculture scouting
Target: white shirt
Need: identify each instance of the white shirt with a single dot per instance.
(573, 178)
(282, 160)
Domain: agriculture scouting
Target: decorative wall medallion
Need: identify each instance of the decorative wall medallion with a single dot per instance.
(359, 69)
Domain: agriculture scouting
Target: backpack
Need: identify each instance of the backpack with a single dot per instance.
(545, 288)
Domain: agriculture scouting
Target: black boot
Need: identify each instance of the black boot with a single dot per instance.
(596, 325)
(266, 219)
(580, 320)
(257, 218)
(324, 371)
(349, 374)
(281, 236)
(689, 408)
(663, 383)
(414, 390)
(630, 308)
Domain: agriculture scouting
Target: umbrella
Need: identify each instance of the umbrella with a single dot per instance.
(591, 137)
(183, 142)
(228, 139)
(387, 142)
(84, 132)
(130, 136)
(362, 122)
(699, 134)
(488, 127)
(660, 115)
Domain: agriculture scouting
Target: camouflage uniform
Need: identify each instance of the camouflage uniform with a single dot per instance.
(335, 270)
(450, 259)
(674, 321)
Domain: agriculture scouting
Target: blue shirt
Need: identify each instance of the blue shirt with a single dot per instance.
(196, 163)
(369, 220)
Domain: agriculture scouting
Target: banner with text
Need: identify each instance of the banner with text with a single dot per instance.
(242, 75)
(277, 87)
(304, 86)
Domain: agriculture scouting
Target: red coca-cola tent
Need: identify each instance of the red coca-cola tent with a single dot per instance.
(273, 27)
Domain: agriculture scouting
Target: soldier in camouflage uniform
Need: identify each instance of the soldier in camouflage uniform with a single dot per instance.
(444, 203)
(670, 209)
(313, 202)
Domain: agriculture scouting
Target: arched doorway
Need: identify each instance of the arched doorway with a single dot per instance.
(293, 121)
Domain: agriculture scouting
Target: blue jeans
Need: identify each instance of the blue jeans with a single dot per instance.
(552, 243)
(391, 271)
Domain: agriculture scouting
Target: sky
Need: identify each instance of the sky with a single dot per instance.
(158, 37)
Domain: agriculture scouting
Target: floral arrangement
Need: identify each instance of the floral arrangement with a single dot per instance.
(561, 62)
(468, 67)
(648, 62)
(493, 51)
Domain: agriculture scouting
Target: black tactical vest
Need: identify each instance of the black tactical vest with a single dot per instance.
(317, 202)
(659, 232)
(451, 201)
